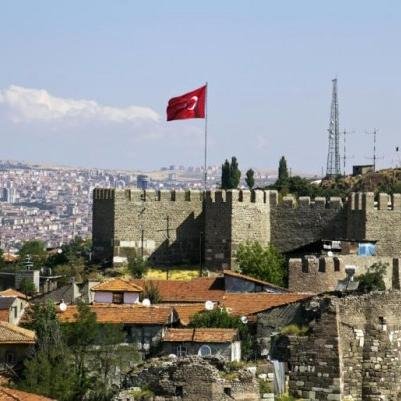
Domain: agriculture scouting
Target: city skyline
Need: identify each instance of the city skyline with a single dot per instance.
(87, 84)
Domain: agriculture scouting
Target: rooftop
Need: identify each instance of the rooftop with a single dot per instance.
(201, 335)
(232, 273)
(11, 394)
(122, 314)
(117, 284)
(12, 334)
(6, 302)
(10, 292)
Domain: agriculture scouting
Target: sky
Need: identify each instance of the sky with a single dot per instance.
(86, 83)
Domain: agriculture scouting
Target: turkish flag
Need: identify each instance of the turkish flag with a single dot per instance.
(189, 105)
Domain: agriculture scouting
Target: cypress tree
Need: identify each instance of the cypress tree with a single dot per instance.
(250, 180)
(225, 175)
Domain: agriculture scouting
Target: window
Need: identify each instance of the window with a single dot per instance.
(179, 391)
(10, 357)
(322, 265)
(181, 350)
(204, 350)
(118, 298)
(336, 264)
(227, 391)
(15, 311)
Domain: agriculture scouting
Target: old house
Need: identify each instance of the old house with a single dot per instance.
(203, 342)
(117, 291)
(143, 325)
(15, 344)
(12, 306)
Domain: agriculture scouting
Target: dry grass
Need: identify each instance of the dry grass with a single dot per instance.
(173, 273)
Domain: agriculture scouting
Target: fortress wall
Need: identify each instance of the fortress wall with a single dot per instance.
(322, 274)
(378, 221)
(352, 350)
(169, 221)
(370, 346)
(234, 217)
(297, 223)
(103, 223)
(218, 223)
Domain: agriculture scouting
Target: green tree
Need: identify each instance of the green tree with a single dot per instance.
(220, 318)
(235, 173)
(36, 250)
(151, 292)
(264, 263)
(48, 371)
(373, 279)
(282, 170)
(27, 287)
(137, 265)
(230, 174)
(225, 175)
(250, 180)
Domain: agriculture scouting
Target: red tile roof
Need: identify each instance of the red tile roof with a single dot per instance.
(12, 334)
(185, 312)
(117, 284)
(195, 290)
(201, 335)
(11, 394)
(245, 304)
(232, 273)
(123, 314)
(10, 292)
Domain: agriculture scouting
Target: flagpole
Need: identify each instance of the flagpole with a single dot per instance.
(205, 165)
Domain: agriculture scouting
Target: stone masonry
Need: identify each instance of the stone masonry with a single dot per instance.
(179, 227)
(352, 351)
(191, 379)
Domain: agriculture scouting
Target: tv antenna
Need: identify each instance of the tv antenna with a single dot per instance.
(375, 157)
(345, 158)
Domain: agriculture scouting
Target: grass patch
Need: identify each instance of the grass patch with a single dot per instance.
(174, 273)
(144, 394)
(295, 330)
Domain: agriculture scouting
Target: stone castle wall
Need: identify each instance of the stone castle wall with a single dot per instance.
(172, 227)
(164, 225)
(352, 351)
(231, 218)
(297, 223)
(322, 274)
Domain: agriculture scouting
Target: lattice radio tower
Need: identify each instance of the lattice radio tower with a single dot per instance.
(333, 156)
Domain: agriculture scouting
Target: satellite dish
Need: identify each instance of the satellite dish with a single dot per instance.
(244, 319)
(146, 302)
(63, 306)
(172, 356)
(209, 305)
(330, 253)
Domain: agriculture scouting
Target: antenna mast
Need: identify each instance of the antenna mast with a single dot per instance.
(333, 156)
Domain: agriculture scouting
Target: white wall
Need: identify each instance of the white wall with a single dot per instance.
(236, 351)
(103, 297)
(131, 297)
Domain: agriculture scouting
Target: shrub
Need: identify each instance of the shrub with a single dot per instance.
(263, 263)
(137, 266)
(295, 330)
(373, 279)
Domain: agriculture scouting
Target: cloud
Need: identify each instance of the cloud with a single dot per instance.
(25, 104)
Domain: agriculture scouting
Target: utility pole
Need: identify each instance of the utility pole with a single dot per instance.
(374, 158)
(345, 133)
(333, 155)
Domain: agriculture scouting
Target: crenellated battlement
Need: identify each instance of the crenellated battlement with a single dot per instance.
(137, 195)
(306, 202)
(235, 195)
(367, 201)
(103, 193)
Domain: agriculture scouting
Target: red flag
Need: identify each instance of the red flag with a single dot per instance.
(189, 105)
